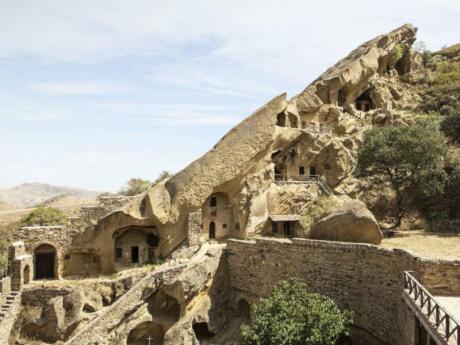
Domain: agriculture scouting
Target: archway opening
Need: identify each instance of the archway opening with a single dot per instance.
(165, 310)
(26, 274)
(244, 310)
(45, 262)
(146, 333)
(212, 230)
(202, 332)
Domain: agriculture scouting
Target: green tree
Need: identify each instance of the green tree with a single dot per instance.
(293, 315)
(135, 186)
(161, 176)
(410, 158)
(451, 126)
(43, 216)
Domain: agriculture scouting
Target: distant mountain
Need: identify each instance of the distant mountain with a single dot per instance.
(4, 206)
(32, 194)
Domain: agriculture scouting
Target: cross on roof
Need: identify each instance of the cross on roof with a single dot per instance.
(149, 339)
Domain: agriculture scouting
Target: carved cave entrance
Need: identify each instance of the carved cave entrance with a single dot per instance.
(45, 262)
(146, 333)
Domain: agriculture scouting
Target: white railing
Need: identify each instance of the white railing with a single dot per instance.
(280, 178)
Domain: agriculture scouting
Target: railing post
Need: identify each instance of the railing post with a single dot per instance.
(447, 326)
(437, 315)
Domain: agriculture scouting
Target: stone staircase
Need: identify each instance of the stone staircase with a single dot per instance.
(108, 318)
(8, 312)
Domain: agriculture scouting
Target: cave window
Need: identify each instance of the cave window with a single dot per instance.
(281, 120)
(364, 102)
(292, 154)
(301, 171)
(237, 226)
(340, 98)
(312, 171)
(304, 124)
(293, 122)
(119, 253)
(213, 202)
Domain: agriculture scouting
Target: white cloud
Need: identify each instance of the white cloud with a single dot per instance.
(27, 110)
(175, 114)
(87, 88)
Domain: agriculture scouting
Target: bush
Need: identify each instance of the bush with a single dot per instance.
(294, 316)
(451, 127)
(161, 176)
(44, 216)
(135, 186)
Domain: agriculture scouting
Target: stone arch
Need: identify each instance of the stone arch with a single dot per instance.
(45, 262)
(165, 309)
(140, 334)
(26, 274)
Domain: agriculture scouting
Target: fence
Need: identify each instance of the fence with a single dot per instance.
(444, 323)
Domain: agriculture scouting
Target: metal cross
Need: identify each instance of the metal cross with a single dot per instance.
(149, 339)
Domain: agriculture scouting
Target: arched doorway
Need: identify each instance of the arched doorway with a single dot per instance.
(45, 262)
(146, 333)
(27, 274)
(212, 230)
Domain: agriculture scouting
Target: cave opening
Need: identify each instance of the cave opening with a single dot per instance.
(202, 332)
(364, 102)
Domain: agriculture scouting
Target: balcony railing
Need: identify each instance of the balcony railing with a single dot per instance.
(304, 179)
(444, 323)
(318, 129)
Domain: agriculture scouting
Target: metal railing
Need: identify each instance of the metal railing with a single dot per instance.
(305, 179)
(444, 323)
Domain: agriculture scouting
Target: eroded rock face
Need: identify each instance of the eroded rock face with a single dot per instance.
(349, 221)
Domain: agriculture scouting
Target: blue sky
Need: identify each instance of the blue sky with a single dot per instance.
(95, 92)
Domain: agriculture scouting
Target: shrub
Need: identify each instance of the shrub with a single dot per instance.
(135, 186)
(451, 127)
(44, 216)
(161, 176)
(293, 315)
(398, 51)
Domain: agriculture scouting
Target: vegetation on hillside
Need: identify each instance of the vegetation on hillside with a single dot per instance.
(293, 315)
(137, 186)
(6, 237)
(44, 216)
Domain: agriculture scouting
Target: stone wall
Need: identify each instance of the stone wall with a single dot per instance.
(60, 237)
(364, 278)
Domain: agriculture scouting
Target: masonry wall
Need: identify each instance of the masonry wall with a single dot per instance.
(60, 237)
(364, 278)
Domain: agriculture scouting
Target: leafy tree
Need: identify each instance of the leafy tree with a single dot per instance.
(43, 216)
(161, 176)
(292, 315)
(410, 158)
(6, 237)
(135, 186)
(451, 126)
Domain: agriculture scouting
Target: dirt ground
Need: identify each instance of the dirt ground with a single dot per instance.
(427, 244)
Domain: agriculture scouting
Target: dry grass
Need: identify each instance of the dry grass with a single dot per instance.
(427, 244)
